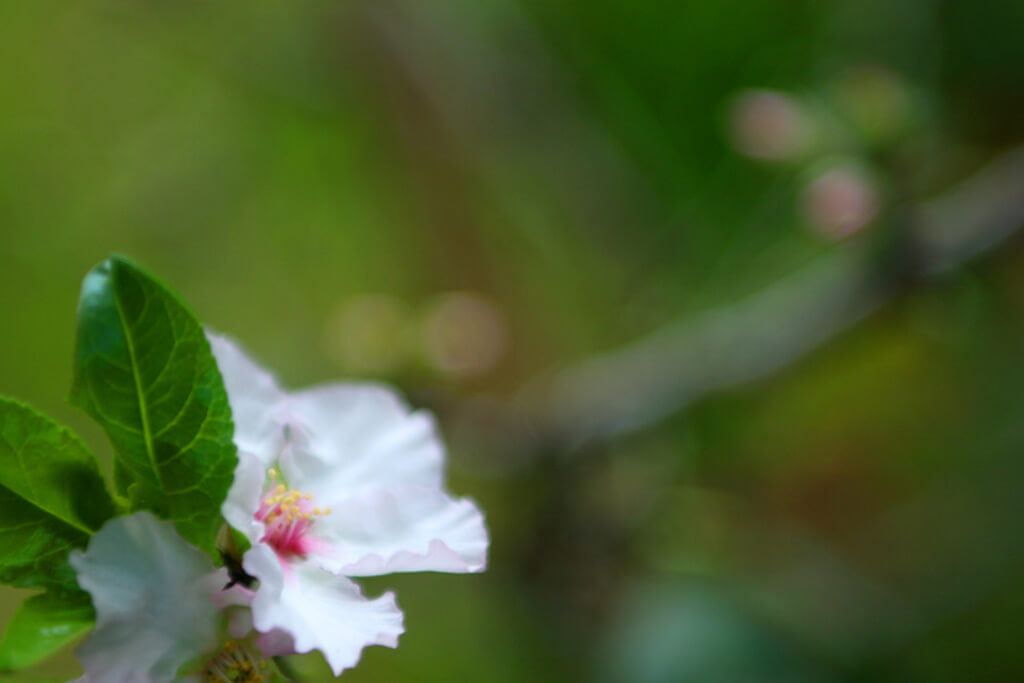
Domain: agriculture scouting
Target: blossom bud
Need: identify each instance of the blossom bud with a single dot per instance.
(840, 201)
(766, 124)
(463, 334)
(875, 101)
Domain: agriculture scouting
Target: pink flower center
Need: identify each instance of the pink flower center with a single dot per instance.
(288, 515)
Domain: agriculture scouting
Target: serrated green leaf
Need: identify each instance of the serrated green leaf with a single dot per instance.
(43, 625)
(52, 498)
(144, 371)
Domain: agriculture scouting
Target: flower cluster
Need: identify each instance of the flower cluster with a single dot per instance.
(334, 482)
(239, 513)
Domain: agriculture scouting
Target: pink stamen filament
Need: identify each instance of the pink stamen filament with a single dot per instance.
(288, 515)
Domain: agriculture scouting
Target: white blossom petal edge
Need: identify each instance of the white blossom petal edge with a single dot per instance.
(342, 478)
(319, 610)
(152, 594)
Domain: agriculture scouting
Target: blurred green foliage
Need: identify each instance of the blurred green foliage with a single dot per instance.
(851, 518)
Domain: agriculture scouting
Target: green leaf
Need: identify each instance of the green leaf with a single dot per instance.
(144, 371)
(43, 625)
(52, 498)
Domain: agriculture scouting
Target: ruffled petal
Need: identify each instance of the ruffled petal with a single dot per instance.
(402, 529)
(243, 499)
(258, 405)
(345, 437)
(318, 610)
(275, 643)
(151, 591)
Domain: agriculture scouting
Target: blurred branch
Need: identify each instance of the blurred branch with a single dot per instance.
(629, 388)
(626, 389)
(661, 374)
(977, 215)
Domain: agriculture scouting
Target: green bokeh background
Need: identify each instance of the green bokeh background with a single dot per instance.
(851, 517)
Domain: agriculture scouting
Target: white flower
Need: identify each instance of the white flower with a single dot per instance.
(157, 607)
(337, 481)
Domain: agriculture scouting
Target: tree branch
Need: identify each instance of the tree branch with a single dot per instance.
(661, 374)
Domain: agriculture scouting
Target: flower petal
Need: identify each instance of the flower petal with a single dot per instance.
(402, 529)
(349, 436)
(318, 610)
(243, 499)
(275, 643)
(151, 591)
(257, 402)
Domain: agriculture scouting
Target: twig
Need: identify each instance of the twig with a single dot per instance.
(626, 389)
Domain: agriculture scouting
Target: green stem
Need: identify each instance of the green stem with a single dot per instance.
(286, 669)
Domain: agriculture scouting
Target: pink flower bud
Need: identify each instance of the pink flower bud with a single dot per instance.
(840, 201)
(766, 124)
